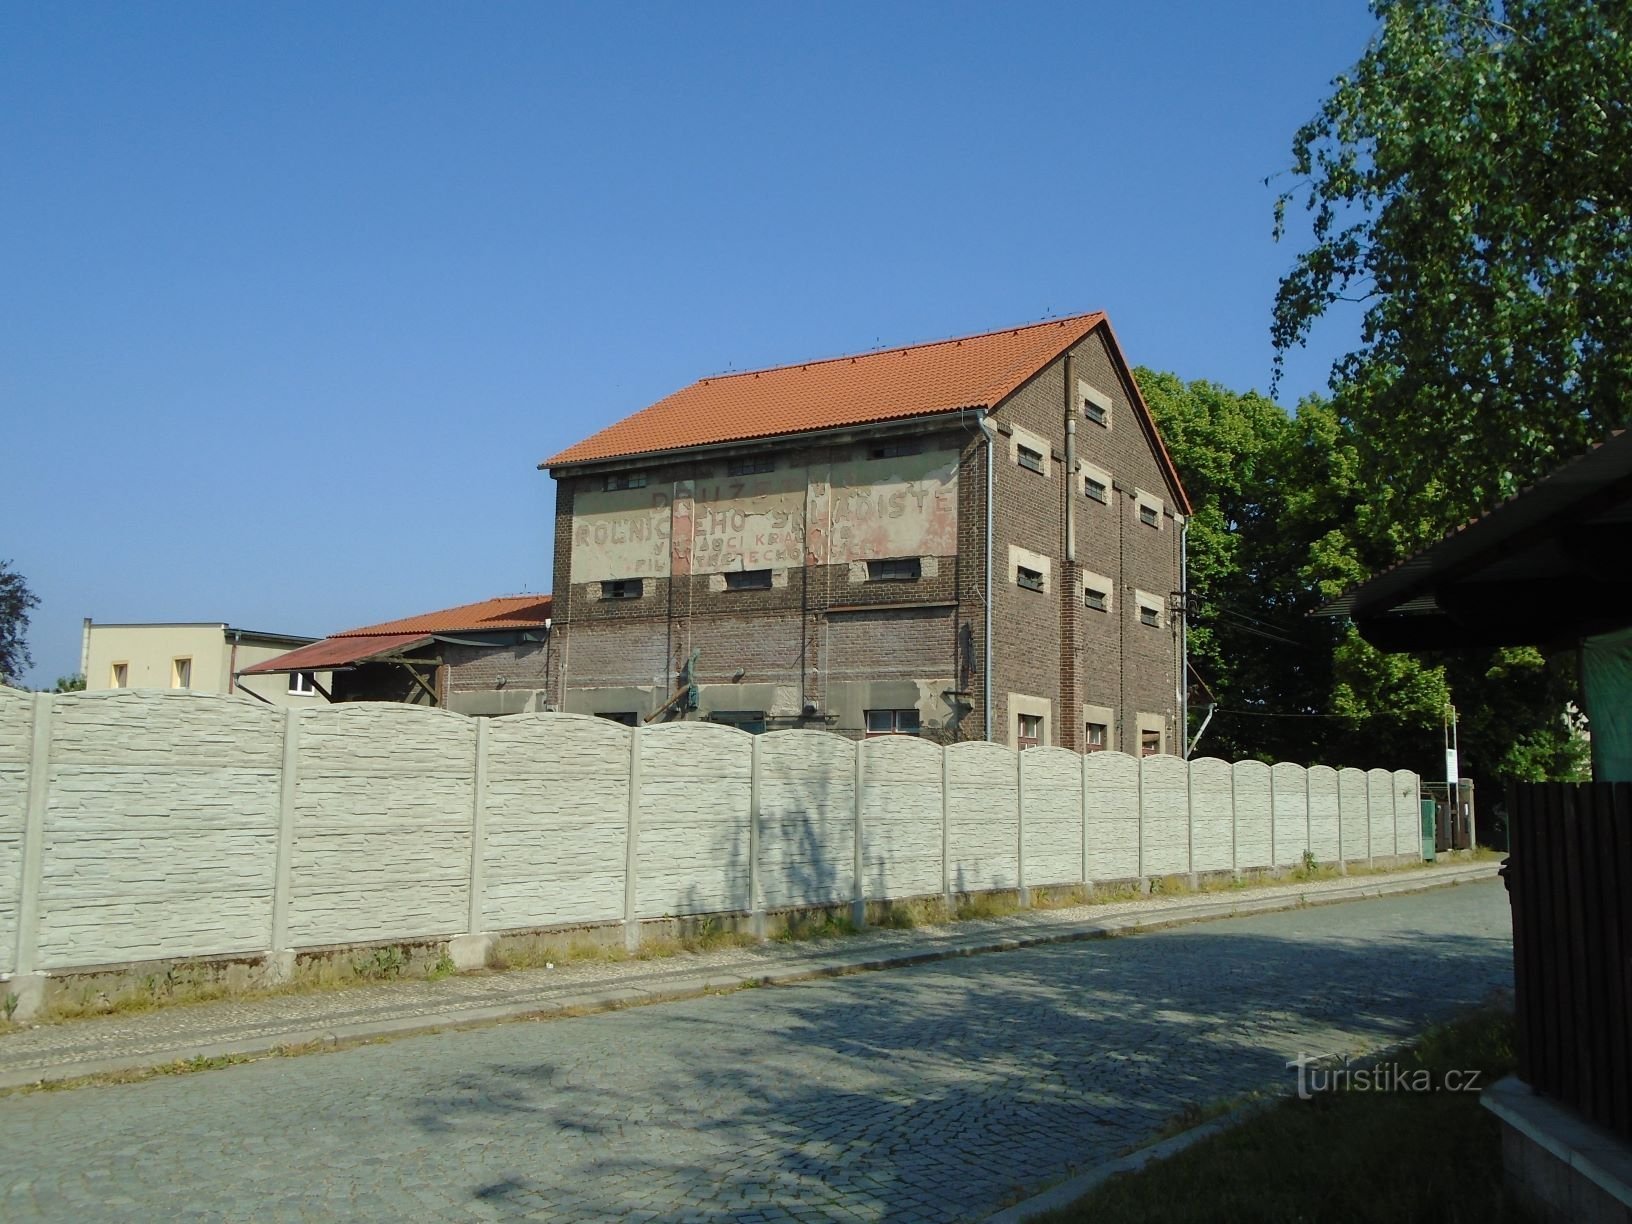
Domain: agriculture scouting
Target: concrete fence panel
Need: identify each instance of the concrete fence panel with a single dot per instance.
(1164, 809)
(1051, 779)
(1212, 814)
(160, 827)
(556, 821)
(983, 816)
(1406, 788)
(807, 815)
(693, 841)
(1380, 810)
(1110, 799)
(901, 812)
(1290, 784)
(16, 734)
(383, 801)
(1324, 839)
(1353, 820)
(1254, 818)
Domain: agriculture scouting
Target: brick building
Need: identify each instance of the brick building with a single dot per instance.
(482, 658)
(819, 545)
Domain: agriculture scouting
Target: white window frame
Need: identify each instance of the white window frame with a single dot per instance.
(1018, 438)
(181, 672)
(1098, 582)
(1024, 558)
(895, 720)
(1143, 501)
(303, 684)
(1090, 397)
(1144, 601)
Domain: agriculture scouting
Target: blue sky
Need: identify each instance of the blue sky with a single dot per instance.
(296, 296)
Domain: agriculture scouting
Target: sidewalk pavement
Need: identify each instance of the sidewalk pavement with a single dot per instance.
(128, 1041)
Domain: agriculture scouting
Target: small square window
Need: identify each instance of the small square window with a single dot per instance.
(121, 675)
(1030, 731)
(1030, 579)
(750, 466)
(1097, 738)
(181, 674)
(1094, 412)
(1150, 616)
(748, 580)
(1026, 457)
(622, 588)
(892, 722)
(895, 569)
(1095, 600)
(624, 480)
(1150, 743)
(303, 683)
(1096, 489)
(1149, 515)
(895, 450)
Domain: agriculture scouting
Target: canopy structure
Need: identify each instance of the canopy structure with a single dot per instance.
(1551, 566)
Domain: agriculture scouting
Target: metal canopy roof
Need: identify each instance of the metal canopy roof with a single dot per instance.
(1552, 563)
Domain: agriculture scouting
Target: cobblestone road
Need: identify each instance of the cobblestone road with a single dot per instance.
(932, 1092)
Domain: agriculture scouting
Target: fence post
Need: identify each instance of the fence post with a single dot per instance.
(1235, 836)
(756, 900)
(631, 848)
(1308, 818)
(1342, 845)
(1189, 827)
(1023, 893)
(946, 827)
(280, 961)
(1082, 786)
(858, 901)
(1274, 850)
(1139, 825)
(28, 983)
(469, 951)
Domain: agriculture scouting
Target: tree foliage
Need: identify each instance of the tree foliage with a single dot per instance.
(1470, 181)
(16, 602)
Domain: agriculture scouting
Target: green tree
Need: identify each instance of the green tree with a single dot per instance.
(70, 684)
(16, 602)
(1470, 181)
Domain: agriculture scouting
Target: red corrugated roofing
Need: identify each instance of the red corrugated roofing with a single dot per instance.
(921, 379)
(336, 652)
(356, 645)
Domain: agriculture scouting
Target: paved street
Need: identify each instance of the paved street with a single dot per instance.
(931, 1092)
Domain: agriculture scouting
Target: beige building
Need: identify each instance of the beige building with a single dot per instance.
(205, 657)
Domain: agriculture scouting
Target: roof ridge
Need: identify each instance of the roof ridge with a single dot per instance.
(1013, 329)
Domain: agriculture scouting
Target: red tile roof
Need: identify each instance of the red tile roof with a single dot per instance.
(356, 645)
(921, 379)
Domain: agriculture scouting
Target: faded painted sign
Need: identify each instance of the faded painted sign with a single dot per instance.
(901, 507)
(749, 522)
(621, 533)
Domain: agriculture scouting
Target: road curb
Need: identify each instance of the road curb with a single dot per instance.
(614, 998)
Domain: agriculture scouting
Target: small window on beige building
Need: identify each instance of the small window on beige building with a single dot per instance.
(748, 580)
(1030, 731)
(181, 673)
(892, 722)
(303, 684)
(120, 677)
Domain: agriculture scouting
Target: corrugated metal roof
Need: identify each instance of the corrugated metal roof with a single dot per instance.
(337, 652)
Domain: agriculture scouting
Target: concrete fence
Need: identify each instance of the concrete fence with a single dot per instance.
(139, 826)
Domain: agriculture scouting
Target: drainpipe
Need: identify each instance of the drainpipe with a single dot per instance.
(1070, 462)
(232, 664)
(990, 433)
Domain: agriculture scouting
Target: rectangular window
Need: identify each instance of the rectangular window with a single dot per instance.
(751, 721)
(1097, 738)
(1096, 489)
(181, 673)
(1031, 731)
(627, 717)
(749, 467)
(1150, 616)
(121, 675)
(895, 450)
(892, 722)
(1026, 457)
(1094, 599)
(1150, 743)
(1149, 515)
(895, 569)
(1030, 579)
(1094, 412)
(303, 683)
(624, 480)
(622, 588)
(748, 580)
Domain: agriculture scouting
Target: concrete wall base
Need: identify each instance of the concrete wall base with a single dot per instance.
(24, 995)
(1557, 1163)
(470, 951)
(278, 969)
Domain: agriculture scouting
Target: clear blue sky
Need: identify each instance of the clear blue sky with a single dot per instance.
(294, 297)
